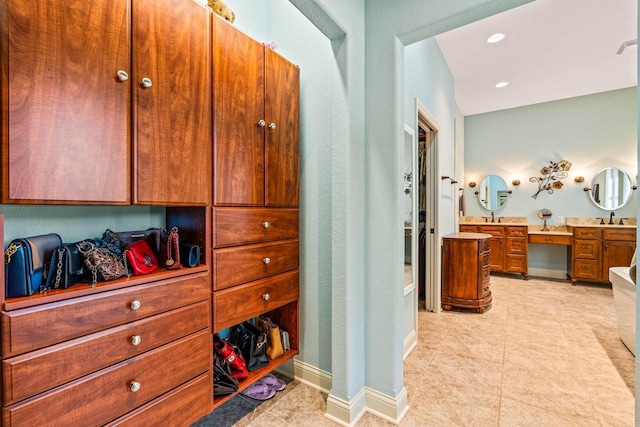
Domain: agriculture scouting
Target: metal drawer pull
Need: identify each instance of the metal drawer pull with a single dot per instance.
(134, 386)
(122, 75)
(266, 297)
(262, 123)
(146, 82)
(266, 224)
(136, 339)
(272, 126)
(266, 260)
(135, 304)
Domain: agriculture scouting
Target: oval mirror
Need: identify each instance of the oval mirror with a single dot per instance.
(492, 192)
(610, 189)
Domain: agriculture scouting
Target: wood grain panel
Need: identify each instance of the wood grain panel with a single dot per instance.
(550, 239)
(282, 146)
(105, 395)
(616, 254)
(239, 106)
(237, 265)
(587, 249)
(68, 114)
(172, 118)
(587, 233)
(240, 226)
(620, 234)
(36, 327)
(234, 305)
(82, 356)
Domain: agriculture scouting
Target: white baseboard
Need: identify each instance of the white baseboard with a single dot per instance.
(387, 407)
(410, 342)
(312, 376)
(551, 274)
(346, 413)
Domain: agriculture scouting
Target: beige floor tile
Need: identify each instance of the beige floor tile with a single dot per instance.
(517, 414)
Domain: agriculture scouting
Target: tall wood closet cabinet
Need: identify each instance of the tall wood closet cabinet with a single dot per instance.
(112, 103)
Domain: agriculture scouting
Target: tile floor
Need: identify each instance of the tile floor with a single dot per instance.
(545, 354)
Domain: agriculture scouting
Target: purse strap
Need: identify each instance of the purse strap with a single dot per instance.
(61, 252)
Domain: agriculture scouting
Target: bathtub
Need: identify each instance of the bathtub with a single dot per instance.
(624, 302)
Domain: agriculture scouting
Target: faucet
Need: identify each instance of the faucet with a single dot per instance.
(493, 218)
(611, 218)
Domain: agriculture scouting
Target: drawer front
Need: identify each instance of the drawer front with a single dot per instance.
(485, 246)
(48, 324)
(234, 305)
(620, 234)
(516, 264)
(517, 231)
(494, 230)
(586, 233)
(183, 406)
(105, 395)
(237, 265)
(467, 228)
(586, 249)
(516, 245)
(241, 226)
(486, 276)
(485, 260)
(82, 356)
(586, 269)
(550, 239)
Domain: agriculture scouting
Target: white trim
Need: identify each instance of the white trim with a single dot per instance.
(409, 288)
(387, 407)
(312, 376)
(346, 413)
(410, 341)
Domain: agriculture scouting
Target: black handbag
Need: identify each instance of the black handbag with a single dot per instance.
(67, 267)
(223, 382)
(189, 255)
(117, 241)
(26, 263)
(252, 343)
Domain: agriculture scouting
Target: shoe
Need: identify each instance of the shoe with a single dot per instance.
(259, 391)
(233, 357)
(273, 382)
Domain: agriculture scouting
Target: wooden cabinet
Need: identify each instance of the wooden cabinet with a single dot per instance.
(256, 157)
(74, 97)
(509, 251)
(465, 271)
(596, 249)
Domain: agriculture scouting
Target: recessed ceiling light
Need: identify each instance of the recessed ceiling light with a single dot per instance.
(502, 84)
(495, 38)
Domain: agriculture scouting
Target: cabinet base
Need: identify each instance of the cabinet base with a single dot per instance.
(478, 305)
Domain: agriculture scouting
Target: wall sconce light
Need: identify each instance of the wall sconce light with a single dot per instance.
(472, 184)
(516, 182)
(579, 179)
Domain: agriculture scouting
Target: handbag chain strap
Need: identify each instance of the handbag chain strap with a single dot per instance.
(59, 268)
(13, 247)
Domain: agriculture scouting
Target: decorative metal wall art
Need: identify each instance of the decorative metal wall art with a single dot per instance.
(551, 176)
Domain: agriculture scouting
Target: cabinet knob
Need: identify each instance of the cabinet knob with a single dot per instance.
(272, 126)
(135, 304)
(266, 297)
(266, 224)
(134, 386)
(122, 75)
(136, 340)
(262, 123)
(266, 260)
(145, 82)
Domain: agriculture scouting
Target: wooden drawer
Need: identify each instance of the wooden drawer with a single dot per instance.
(241, 226)
(586, 269)
(467, 228)
(40, 326)
(183, 406)
(107, 394)
(23, 375)
(586, 249)
(516, 264)
(550, 239)
(620, 234)
(241, 264)
(234, 305)
(485, 260)
(517, 231)
(485, 246)
(486, 276)
(494, 230)
(586, 233)
(516, 245)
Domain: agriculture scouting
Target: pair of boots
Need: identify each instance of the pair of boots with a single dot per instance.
(232, 355)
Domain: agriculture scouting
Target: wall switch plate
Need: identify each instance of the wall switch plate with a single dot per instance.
(561, 220)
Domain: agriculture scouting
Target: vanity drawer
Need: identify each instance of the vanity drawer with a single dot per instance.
(517, 231)
(486, 276)
(241, 264)
(234, 305)
(485, 246)
(183, 406)
(40, 326)
(73, 359)
(241, 226)
(516, 245)
(620, 234)
(107, 394)
(550, 239)
(494, 230)
(587, 249)
(467, 228)
(586, 233)
(586, 269)
(516, 263)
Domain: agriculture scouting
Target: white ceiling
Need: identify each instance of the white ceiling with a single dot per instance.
(553, 49)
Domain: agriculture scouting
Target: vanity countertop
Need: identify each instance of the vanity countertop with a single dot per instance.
(504, 220)
(554, 230)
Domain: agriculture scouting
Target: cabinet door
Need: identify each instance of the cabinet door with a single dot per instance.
(282, 112)
(68, 113)
(497, 253)
(616, 254)
(172, 117)
(239, 107)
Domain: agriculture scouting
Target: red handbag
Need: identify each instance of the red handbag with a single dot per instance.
(141, 258)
